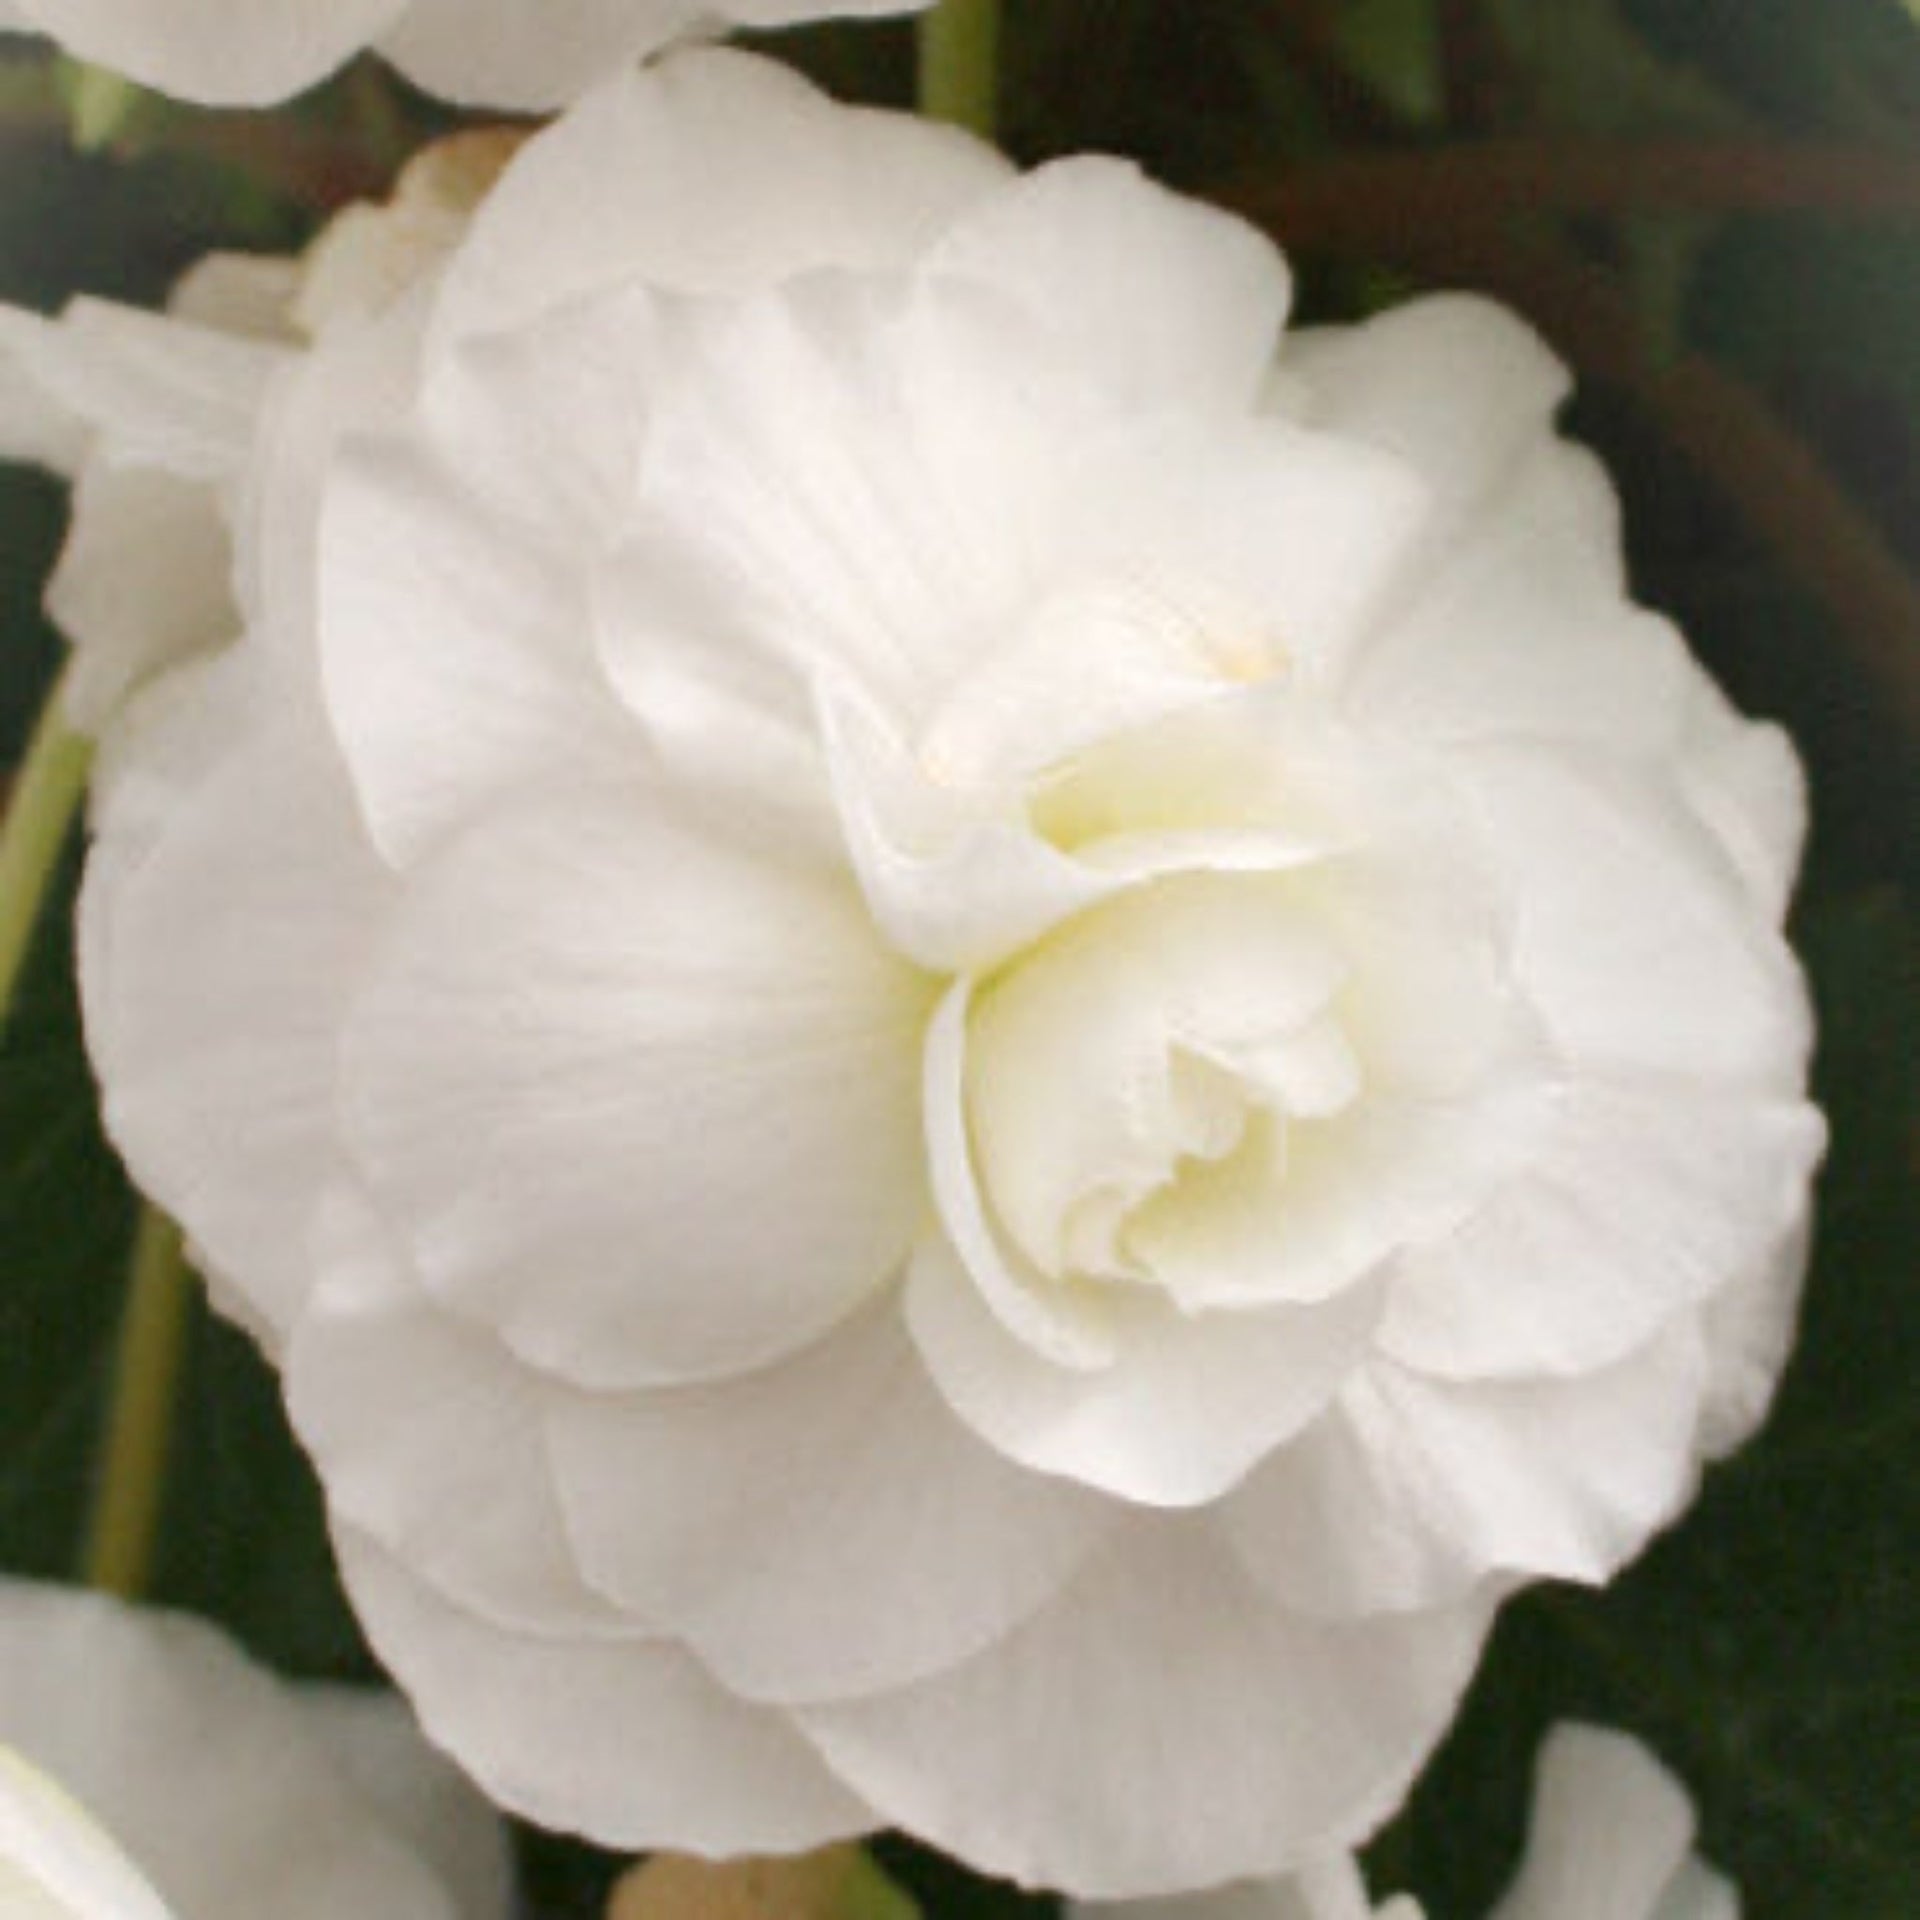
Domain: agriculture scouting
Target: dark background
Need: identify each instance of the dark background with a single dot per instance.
(1713, 207)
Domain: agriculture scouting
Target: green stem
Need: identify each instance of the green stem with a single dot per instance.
(960, 63)
(131, 1487)
(47, 793)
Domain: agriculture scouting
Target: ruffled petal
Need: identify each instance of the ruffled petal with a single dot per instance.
(1409, 1493)
(218, 968)
(1521, 627)
(1750, 1327)
(429, 1438)
(1181, 1412)
(1165, 301)
(1635, 941)
(710, 172)
(1646, 1199)
(1455, 385)
(144, 581)
(1743, 778)
(1160, 1679)
(819, 1529)
(634, 1097)
(627, 1742)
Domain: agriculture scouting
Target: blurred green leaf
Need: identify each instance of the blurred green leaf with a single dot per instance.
(1590, 72)
(100, 104)
(1394, 45)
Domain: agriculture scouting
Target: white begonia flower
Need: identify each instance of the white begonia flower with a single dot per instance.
(1611, 1839)
(1019, 1031)
(524, 55)
(150, 1771)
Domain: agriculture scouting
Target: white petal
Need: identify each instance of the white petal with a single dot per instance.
(202, 1769)
(219, 973)
(55, 1862)
(534, 55)
(1697, 1892)
(1647, 1198)
(1330, 1889)
(1182, 1412)
(1611, 1827)
(781, 455)
(144, 581)
(638, 1099)
(366, 378)
(1454, 384)
(1278, 541)
(209, 51)
(429, 1438)
(160, 391)
(1069, 1078)
(1636, 942)
(164, 745)
(1522, 626)
(626, 1742)
(822, 1528)
(36, 424)
(416, 1792)
(1169, 302)
(711, 172)
(250, 294)
(1745, 781)
(953, 886)
(455, 647)
(690, 666)
(529, 55)
(963, 879)
(1160, 1679)
(1750, 1326)
(1408, 1493)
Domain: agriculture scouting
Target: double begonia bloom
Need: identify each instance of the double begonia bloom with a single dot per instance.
(150, 1771)
(976, 1035)
(1611, 1839)
(525, 55)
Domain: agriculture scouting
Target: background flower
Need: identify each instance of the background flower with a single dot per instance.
(530, 55)
(1611, 1838)
(231, 1793)
(1005, 1029)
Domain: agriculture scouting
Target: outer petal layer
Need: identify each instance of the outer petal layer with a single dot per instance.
(819, 1529)
(627, 1740)
(1161, 1679)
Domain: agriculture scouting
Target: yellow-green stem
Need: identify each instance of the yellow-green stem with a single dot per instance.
(960, 63)
(47, 792)
(130, 1490)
